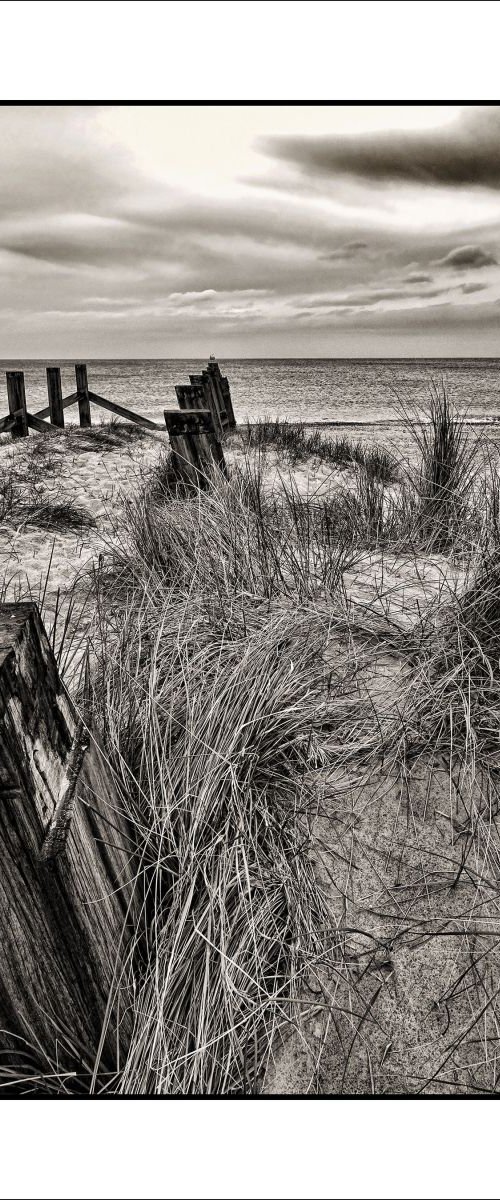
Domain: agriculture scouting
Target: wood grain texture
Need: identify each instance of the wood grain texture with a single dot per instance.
(190, 395)
(82, 388)
(7, 423)
(54, 388)
(194, 443)
(41, 426)
(215, 378)
(227, 402)
(67, 899)
(17, 403)
(209, 399)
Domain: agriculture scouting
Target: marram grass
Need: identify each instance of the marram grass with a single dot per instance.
(221, 708)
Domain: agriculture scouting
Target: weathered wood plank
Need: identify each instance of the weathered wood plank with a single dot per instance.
(41, 426)
(82, 387)
(209, 398)
(56, 409)
(65, 901)
(213, 371)
(126, 413)
(17, 403)
(227, 401)
(7, 423)
(181, 421)
(220, 385)
(195, 445)
(190, 395)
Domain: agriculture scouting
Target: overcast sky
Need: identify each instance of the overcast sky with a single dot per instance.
(253, 231)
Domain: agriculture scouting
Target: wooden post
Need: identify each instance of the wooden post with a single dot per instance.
(190, 395)
(209, 399)
(82, 388)
(195, 445)
(67, 895)
(215, 377)
(17, 403)
(227, 401)
(56, 410)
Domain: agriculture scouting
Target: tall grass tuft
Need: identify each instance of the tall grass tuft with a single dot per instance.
(448, 468)
(297, 444)
(211, 688)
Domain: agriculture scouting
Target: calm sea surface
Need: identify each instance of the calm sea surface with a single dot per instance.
(344, 391)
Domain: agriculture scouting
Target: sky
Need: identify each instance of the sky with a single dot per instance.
(252, 231)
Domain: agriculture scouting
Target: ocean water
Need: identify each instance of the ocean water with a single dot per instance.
(362, 392)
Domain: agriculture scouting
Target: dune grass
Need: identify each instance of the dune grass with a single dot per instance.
(105, 435)
(217, 701)
(298, 444)
(231, 687)
(31, 496)
(211, 694)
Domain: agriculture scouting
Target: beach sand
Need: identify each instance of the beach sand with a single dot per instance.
(42, 559)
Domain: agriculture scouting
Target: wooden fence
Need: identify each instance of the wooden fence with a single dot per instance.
(70, 894)
(69, 898)
(205, 407)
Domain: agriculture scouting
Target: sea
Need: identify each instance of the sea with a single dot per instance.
(363, 396)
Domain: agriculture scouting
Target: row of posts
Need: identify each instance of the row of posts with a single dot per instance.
(16, 396)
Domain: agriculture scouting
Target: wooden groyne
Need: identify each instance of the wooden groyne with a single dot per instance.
(195, 432)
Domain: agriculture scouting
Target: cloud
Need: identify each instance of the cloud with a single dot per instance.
(468, 288)
(418, 277)
(366, 298)
(96, 245)
(466, 152)
(348, 250)
(467, 256)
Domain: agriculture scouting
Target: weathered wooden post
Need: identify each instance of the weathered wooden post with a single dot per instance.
(17, 403)
(222, 393)
(216, 396)
(227, 401)
(82, 387)
(56, 410)
(67, 895)
(190, 395)
(195, 445)
(204, 382)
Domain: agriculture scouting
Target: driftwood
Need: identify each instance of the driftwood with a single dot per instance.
(67, 892)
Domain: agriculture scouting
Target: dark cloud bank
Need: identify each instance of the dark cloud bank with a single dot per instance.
(465, 153)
